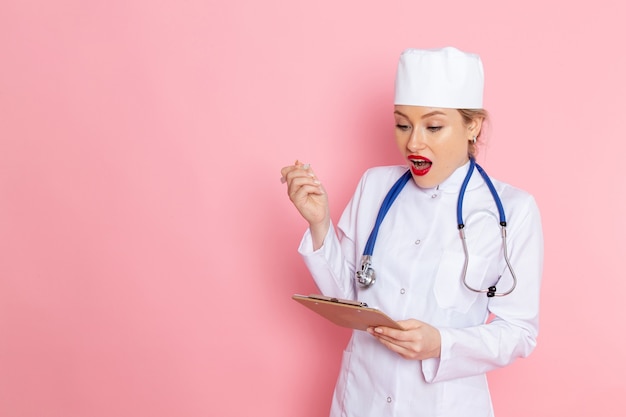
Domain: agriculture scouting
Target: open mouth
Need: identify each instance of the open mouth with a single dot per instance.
(420, 165)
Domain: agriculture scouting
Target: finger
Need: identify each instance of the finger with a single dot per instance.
(296, 165)
(301, 196)
(297, 181)
(390, 333)
(379, 333)
(303, 191)
(298, 169)
(395, 346)
(385, 339)
(284, 172)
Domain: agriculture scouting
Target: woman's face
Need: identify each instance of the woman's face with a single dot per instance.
(434, 141)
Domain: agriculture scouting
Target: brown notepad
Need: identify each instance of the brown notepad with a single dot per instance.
(346, 313)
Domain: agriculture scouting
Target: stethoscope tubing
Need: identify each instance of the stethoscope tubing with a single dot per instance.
(366, 275)
(384, 208)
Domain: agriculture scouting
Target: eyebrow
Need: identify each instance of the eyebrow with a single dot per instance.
(432, 113)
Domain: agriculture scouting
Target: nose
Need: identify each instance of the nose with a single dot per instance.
(416, 141)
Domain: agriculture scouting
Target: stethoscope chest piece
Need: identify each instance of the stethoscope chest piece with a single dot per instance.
(366, 276)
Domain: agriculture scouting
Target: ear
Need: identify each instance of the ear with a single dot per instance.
(475, 126)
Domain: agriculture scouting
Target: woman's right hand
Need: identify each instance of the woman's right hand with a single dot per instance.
(308, 195)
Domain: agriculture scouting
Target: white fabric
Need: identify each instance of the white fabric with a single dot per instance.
(445, 77)
(418, 260)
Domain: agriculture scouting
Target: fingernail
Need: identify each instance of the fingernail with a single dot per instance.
(306, 166)
(378, 330)
(283, 180)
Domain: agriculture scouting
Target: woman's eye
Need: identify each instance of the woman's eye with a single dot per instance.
(402, 127)
(434, 128)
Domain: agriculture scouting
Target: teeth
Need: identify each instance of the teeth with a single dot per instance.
(420, 163)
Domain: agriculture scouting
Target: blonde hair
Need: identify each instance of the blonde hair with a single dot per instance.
(469, 115)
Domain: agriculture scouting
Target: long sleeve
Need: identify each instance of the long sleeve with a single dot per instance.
(513, 331)
(328, 265)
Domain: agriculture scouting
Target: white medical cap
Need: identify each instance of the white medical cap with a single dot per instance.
(445, 77)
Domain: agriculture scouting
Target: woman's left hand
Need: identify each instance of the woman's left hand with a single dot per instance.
(419, 340)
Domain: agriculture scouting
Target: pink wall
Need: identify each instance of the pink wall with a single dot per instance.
(148, 250)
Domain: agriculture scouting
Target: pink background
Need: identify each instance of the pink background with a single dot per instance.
(148, 250)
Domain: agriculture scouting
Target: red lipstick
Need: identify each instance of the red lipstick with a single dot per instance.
(419, 165)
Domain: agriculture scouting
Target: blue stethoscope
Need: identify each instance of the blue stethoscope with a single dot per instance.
(366, 275)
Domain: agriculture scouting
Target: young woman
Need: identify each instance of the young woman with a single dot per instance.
(458, 269)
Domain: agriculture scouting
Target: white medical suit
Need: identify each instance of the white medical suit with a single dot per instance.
(418, 259)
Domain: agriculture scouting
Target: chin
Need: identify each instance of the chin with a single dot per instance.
(424, 182)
